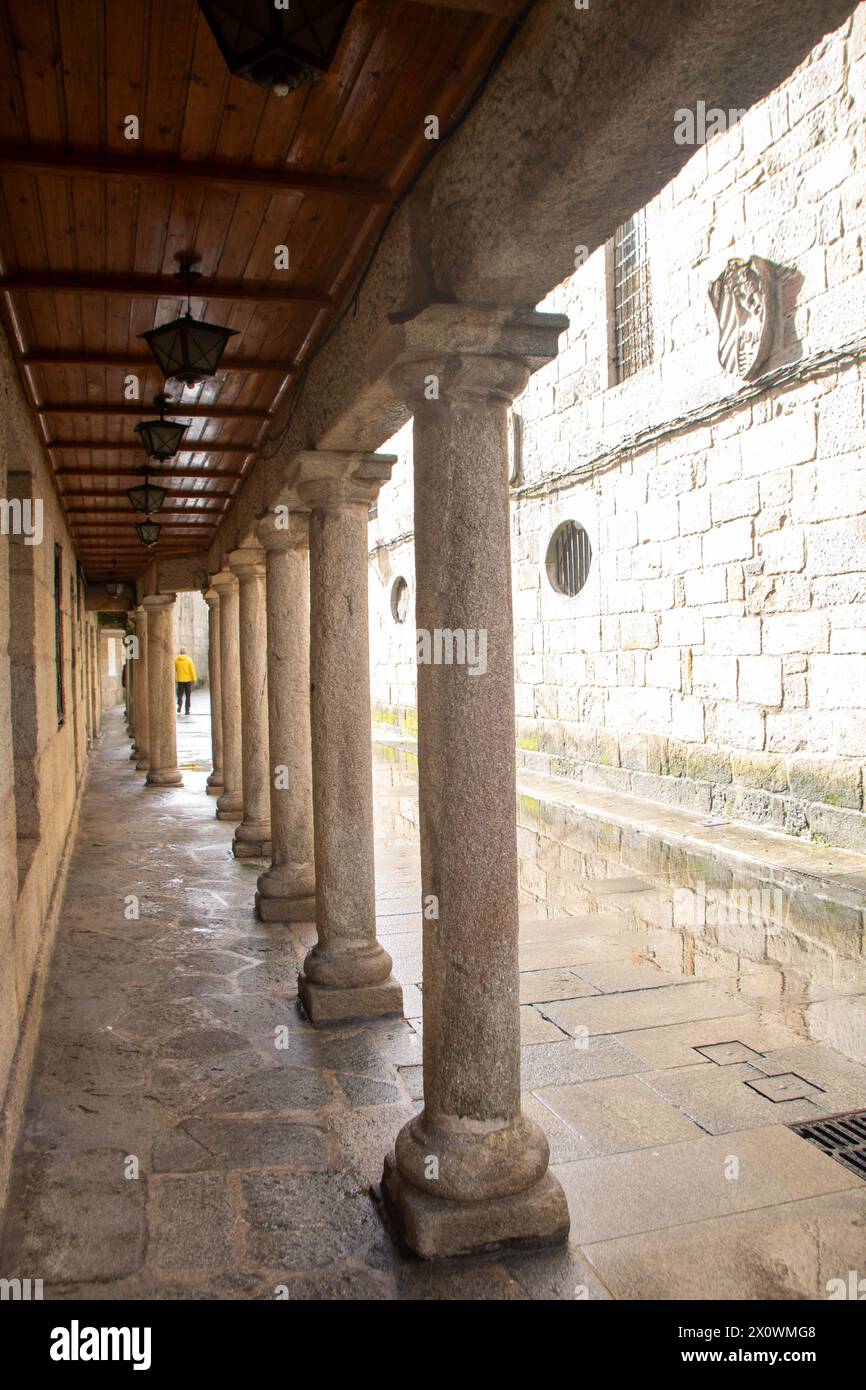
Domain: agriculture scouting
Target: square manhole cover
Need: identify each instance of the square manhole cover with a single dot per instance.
(788, 1086)
(842, 1137)
(726, 1054)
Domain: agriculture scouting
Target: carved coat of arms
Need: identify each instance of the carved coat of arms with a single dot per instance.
(743, 300)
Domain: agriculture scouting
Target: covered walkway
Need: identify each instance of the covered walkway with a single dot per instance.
(189, 1134)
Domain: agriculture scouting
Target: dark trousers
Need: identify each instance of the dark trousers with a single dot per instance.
(184, 689)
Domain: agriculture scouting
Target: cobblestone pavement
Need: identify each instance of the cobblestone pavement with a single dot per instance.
(189, 1135)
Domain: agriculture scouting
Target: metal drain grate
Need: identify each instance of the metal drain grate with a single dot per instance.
(842, 1137)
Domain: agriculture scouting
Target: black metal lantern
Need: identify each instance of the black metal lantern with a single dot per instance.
(279, 46)
(147, 497)
(188, 349)
(148, 531)
(161, 438)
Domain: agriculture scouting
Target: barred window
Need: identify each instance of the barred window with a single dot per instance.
(632, 300)
(569, 556)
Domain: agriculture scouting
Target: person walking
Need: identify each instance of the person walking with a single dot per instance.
(185, 677)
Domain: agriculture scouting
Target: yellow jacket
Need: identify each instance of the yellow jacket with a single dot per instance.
(184, 670)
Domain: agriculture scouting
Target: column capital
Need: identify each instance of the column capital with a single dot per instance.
(211, 597)
(224, 582)
(283, 529)
(340, 478)
(450, 354)
(248, 563)
(157, 601)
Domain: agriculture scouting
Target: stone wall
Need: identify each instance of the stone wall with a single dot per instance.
(42, 765)
(716, 657)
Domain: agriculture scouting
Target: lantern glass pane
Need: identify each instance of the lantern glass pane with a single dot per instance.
(188, 349)
(146, 498)
(148, 532)
(161, 438)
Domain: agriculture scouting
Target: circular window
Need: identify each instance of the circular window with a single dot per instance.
(399, 600)
(569, 556)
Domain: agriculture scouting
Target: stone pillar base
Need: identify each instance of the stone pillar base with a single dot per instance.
(214, 786)
(164, 777)
(251, 849)
(229, 815)
(286, 909)
(143, 764)
(435, 1228)
(324, 1005)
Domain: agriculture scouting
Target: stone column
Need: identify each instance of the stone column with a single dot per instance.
(286, 891)
(142, 715)
(162, 721)
(131, 707)
(252, 838)
(347, 974)
(230, 804)
(88, 686)
(215, 780)
(470, 1172)
(95, 683)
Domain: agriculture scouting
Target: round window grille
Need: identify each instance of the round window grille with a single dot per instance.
(569, 556)
(399, 600)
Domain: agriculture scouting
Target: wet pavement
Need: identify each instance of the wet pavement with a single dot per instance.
(189, 1135)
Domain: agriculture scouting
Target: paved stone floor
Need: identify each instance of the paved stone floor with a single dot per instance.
(189, 1135)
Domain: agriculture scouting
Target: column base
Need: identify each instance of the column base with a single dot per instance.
(143, 764)
(324, 1004)
(230, 806)
(214, 785)
(285, 909)
(436, 1228)
(251, 849)
(164, 777)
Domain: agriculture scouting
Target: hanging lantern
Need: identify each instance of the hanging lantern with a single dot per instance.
(148, 531)
(114, 589)
(279, 46)
(161, 438)
(147, 497)
(188, 349)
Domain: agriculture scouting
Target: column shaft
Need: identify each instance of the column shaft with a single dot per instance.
(142, 716)
(470, 1172)
(347, 974)
(252, 838)
(215, 780)
(162, 723)
(286, 891)
(230, 803)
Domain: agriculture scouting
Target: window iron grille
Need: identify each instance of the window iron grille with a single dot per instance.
(632, 298)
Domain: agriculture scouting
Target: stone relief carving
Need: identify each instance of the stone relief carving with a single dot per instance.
(742, 298)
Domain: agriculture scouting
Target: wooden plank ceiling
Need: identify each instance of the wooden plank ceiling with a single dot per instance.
(93, 226)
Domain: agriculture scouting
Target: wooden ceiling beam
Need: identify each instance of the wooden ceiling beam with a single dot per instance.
(122, 528)
(175, 409)
(96, 513)
(159, 287)
(136, 168)
(132, 446)
(153, 473)
(104, 495)
(139, 362)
